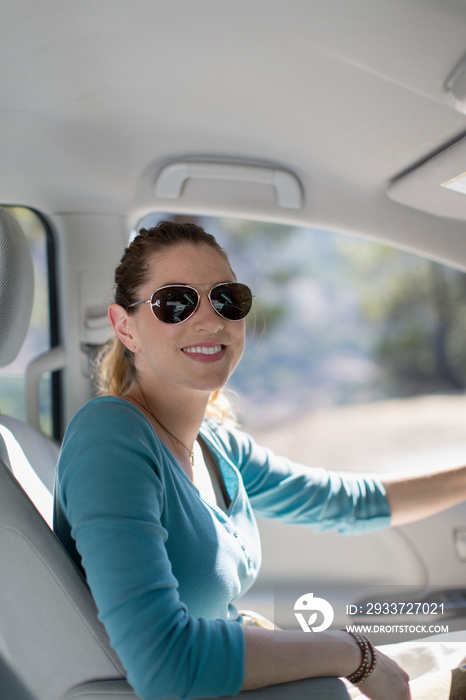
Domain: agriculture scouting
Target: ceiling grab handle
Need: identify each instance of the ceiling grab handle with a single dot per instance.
(170, 182)
(49, 361)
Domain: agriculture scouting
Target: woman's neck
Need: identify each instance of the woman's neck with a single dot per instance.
(176, 420)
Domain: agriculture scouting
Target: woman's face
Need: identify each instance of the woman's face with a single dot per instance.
(201, 353)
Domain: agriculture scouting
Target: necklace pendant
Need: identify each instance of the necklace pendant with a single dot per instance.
(191, 458)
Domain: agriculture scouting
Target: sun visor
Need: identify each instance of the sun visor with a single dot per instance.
(438, 186)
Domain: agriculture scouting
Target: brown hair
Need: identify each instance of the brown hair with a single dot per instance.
(114, 368)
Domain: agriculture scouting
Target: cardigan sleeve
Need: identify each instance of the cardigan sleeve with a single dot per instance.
(112, 496)
(349, 502)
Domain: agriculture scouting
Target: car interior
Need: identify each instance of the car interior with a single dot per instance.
(337, 117)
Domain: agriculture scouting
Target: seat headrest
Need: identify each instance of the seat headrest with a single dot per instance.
(16, 287)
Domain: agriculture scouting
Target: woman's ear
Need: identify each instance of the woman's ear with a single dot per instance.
(121, 322)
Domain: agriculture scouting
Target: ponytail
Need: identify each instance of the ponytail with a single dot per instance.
(113, 370)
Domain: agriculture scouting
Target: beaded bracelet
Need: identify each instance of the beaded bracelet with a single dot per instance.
(368, 662)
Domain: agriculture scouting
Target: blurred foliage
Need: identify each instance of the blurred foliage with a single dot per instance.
(419, 309)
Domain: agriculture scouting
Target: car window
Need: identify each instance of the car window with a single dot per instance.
(356, 356)
(40, 334)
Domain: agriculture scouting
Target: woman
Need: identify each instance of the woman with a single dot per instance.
(155, 492)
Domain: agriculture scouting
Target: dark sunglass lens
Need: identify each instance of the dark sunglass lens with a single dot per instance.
(174, 304)
(233, 301)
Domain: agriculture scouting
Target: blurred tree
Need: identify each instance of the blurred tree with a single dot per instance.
(418, 309)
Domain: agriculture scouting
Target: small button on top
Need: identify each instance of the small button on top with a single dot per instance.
(235, 533)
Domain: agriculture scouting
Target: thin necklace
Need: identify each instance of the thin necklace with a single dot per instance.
(173, 437)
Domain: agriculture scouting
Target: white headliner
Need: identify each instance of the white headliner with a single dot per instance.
(96, 97)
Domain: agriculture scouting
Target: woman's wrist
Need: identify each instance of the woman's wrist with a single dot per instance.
(282, 656)
(368, 659)
(343, 655)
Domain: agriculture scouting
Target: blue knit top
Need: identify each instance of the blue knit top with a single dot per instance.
(163, 564)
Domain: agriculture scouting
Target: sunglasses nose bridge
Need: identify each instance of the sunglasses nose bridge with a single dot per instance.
(207, 301)
(206, 312)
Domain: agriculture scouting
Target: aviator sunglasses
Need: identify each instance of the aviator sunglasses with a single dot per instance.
(176, 303)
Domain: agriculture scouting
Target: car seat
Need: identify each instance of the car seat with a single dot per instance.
(52, 646)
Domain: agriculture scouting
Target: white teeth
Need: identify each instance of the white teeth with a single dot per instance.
(203, 350)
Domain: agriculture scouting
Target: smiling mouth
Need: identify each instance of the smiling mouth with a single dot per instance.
(202, 350)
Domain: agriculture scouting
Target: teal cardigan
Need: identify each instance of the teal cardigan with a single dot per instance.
(164, 565)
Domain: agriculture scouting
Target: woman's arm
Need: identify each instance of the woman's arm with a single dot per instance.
(415, 496)
(274, 657)
(281, 656)
(303, 495)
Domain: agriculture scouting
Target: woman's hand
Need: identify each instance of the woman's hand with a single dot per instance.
(388, 681)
